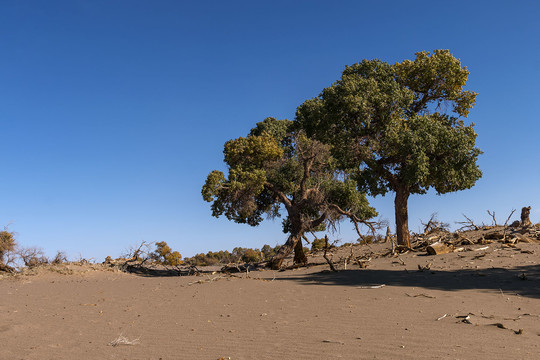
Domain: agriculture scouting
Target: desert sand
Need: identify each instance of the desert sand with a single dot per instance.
(482, 303)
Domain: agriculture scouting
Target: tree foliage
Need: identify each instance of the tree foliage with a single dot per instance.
(166, 256)
(7, 243)
(399, 127)
(274, 170)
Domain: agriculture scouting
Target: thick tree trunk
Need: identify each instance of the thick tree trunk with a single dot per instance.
(299, 255)
(402, 216)
(285, 250)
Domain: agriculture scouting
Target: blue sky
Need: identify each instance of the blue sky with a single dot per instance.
(112, 113)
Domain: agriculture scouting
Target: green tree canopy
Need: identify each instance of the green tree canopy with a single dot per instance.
(399, 127)
(274, 170)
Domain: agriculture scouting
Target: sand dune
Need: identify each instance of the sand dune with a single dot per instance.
(467, 306)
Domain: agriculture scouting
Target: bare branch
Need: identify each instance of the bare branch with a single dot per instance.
(492, 214)
(468, 225)
(329, 261)
(433, 225)
(508, 218)
(372, 225)
(506, 223)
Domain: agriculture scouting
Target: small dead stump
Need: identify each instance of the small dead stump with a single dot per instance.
(438, 248)
(525, 212)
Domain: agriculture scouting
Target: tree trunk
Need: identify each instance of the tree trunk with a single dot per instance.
(299, 255)
(402, 216)
(285, 250)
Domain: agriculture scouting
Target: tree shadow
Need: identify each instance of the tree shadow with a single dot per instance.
(521, 280)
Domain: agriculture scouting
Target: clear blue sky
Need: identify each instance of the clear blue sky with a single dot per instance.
(113, 112)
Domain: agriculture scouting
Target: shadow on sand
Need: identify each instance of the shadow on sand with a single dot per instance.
(521, 280)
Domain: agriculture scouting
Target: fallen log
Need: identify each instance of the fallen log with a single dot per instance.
(524, 239)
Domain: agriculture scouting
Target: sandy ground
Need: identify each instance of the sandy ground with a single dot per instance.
(309, 313)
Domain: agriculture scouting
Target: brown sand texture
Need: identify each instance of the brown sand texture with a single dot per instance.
(482, 304)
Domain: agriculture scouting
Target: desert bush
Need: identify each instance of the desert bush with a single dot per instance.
(32, 257)
(59, 258)
(166, 256)
(370, 239)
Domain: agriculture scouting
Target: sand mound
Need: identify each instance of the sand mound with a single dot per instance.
(475, 304)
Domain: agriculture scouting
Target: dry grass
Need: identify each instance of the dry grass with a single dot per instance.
(122, 340)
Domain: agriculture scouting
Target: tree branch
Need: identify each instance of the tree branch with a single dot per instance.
(280, 195)
(353, 218)
(317, 222)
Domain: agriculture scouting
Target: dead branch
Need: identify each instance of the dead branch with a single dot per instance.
(372, 225)
(508, 218)
(492, 214)
(433, 225)
(506, 223)
(467, 225)
(348, 258)
(329, 261)
(424, 268)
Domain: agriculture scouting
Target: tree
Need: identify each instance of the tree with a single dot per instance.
(399, 128)
(7, 244)
(166, 256)
(274, 170)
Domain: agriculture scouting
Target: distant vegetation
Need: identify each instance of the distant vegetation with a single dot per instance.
(237, 255)
(12, 255)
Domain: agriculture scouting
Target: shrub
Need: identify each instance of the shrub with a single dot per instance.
(268, 252)
(317, 244)
(7, 243)
(60, 258)
(369, 239)
(32, 257)
(166, 256)
(251, 255)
